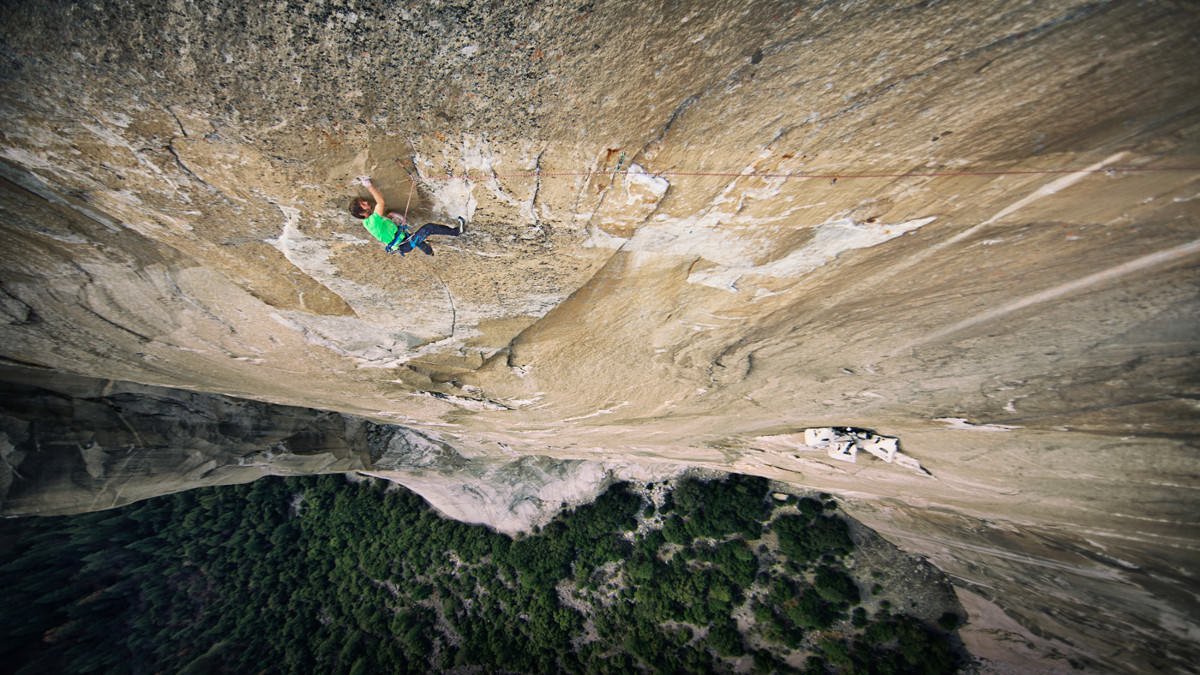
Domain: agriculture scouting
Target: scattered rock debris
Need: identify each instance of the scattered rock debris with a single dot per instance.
(844, 443)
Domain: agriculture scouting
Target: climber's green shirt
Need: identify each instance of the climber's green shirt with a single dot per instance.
(381, 228)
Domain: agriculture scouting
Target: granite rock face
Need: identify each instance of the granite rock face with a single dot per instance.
(697, 229)
(73, 444)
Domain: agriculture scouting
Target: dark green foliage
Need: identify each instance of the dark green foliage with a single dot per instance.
(735, 505)
(674, 532)
(734, 558)
(809, 507)
(318, 575)
(792, 609)
(806, 538)
(835, 585)
(814, 665)
(837, 653)
(902, 644)
(725, 638)
(811, 611)
(949, 621)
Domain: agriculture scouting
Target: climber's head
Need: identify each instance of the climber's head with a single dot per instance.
(361, 207)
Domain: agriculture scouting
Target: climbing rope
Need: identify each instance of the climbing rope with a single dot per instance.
(412, 185)
(840, 175)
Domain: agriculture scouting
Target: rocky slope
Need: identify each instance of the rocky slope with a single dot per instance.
(697, 229)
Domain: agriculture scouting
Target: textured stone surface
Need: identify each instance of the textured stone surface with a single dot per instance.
(71, 444)
(993, 257)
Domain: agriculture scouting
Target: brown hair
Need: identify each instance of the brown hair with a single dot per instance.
(358, 210)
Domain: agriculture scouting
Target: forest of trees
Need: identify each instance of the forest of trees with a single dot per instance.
(320, 574)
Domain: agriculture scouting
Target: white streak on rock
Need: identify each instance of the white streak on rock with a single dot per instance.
(830, 240)
(1048, 189)
(1152, 261)
(605, 411)
(961, 424)
(657, 186)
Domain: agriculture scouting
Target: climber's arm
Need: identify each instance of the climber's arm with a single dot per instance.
(380, 208)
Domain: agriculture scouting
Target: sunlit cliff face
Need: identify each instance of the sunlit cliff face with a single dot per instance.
(696, 230)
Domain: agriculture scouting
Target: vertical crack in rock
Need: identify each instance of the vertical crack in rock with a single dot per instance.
(182, 131)
(15, 311)
(676, 113)
(170, 147)
(532, 207)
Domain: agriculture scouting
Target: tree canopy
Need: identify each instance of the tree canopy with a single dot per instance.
(318, 574)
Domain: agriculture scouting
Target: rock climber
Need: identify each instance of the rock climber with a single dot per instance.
(392, 230)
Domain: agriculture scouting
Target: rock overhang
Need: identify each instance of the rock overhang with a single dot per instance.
(658, 263)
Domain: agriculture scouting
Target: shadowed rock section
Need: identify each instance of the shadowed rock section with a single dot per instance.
(72, 445)
(696, 231)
